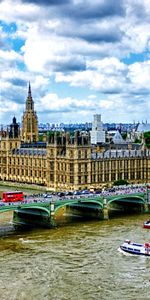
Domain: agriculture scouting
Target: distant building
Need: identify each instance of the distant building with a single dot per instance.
(144, 127)
(97, 132)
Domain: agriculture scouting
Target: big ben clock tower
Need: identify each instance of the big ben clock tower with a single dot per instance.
(29, 121)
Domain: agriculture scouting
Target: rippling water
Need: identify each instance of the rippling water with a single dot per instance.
(75, 262)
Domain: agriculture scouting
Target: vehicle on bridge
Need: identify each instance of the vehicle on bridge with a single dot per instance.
(13, 196)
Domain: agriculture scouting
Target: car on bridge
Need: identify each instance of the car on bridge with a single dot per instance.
(85, 192)
(77, 193)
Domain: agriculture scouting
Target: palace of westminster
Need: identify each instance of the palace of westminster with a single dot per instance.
(68, 162)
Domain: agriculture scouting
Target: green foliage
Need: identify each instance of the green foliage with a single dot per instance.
(121, 182)
(147, 138)
(124, 135)
(147, 134)
(137, 141)
(50, 133)
(40, 137)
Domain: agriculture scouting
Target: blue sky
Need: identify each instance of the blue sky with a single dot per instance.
(81, 57)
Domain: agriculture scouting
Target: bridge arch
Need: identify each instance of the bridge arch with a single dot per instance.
(129, 199)
(9, 208)
(125, 204)
(81, 202)
(78, 209)
(33, 216)
(37, 208)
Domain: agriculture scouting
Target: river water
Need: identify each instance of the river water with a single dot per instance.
(75, 262)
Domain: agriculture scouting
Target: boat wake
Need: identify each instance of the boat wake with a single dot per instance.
(125, 253)
(23, 241)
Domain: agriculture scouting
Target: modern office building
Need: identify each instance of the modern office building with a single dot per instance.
(65, 161)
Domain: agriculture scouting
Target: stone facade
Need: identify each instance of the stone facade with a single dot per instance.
(66, 162)
(70, 163)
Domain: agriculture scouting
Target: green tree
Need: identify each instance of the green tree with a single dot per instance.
(124, 135)
(147, 138)
(121, 182)
(137, 141)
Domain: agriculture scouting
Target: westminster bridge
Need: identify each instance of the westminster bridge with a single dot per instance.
(56, 211)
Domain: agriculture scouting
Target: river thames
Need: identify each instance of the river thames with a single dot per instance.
(76, 262)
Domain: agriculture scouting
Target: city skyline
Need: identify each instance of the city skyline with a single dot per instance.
(81, 57)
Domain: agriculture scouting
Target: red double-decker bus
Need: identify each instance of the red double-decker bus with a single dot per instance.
(12, 196)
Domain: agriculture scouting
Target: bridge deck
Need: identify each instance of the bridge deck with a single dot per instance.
(133, 198)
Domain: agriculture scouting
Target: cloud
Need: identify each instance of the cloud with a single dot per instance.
(53, 103)
(109, 75)
(93, 10)
(75, 49)
(47, 2)
(83, 9)
(18, 82)
(10, 55)
(68, 64)
(17, 12)
(139, 9)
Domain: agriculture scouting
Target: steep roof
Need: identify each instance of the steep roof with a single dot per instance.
(117, 138)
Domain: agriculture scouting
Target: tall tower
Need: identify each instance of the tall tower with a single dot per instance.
(14, 129)
(29, 121)
(97, 132)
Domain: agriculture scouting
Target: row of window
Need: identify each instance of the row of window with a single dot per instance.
(26, 162)
(118, 164)
(103, 177)
(26, 172)
(81, 179)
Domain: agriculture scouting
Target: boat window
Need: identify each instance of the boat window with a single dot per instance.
(139, 245)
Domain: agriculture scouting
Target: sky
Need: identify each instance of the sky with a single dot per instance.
(82, 57)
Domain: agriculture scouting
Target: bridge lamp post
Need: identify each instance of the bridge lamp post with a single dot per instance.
(105, 209)
(52, 208)
(52, 213)
(147, 199)
(148, 194)
(105, 201)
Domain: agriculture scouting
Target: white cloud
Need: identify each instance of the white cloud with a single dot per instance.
(139, 74)
(10, 109)
(10, 55)
(53, 102)
(16, 11)
(84, 51)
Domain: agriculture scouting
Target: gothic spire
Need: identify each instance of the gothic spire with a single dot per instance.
(29, 90)
(29, 101)
(29, 120)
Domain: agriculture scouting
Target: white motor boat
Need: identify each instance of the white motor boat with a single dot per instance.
(135, 248)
